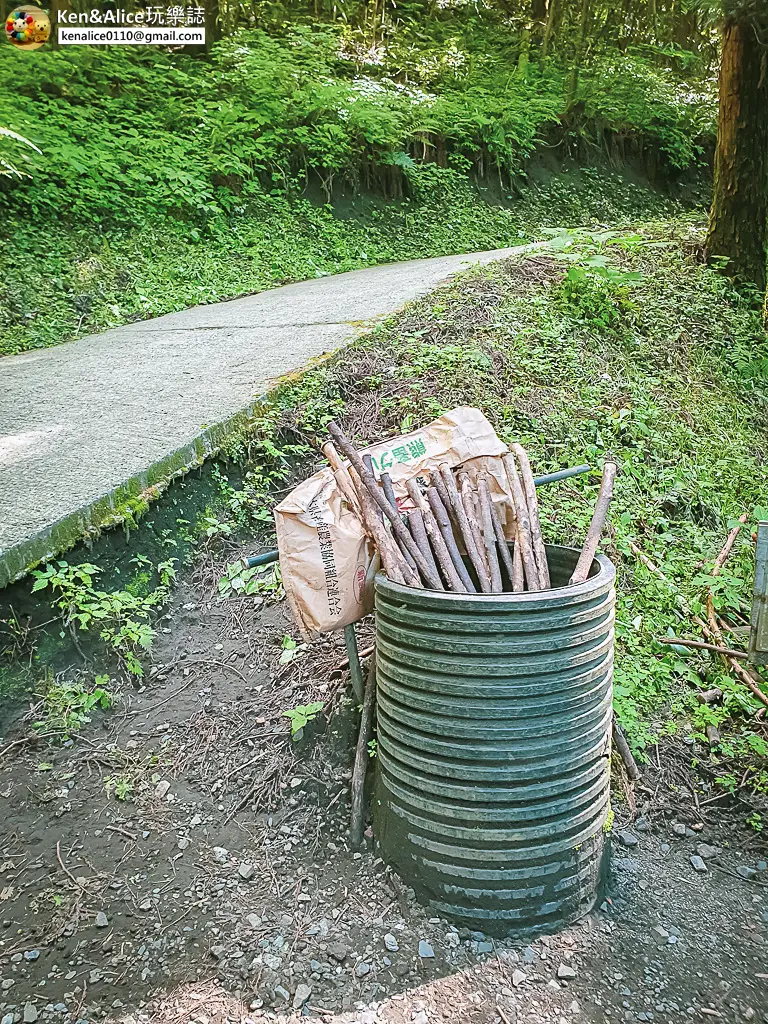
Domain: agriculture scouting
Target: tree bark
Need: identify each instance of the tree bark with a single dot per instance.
(738, 222)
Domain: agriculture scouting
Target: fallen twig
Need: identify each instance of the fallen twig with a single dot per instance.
(620, 742)
(677, 641)
(362, 758)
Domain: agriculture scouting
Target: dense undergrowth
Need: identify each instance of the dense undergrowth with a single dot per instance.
(164, 180)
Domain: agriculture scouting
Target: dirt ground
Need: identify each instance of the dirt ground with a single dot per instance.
(221, 888)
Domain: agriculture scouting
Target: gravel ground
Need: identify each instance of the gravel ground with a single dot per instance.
(221, 888)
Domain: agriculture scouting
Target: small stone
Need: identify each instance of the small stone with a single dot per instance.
(220, 854)
(698, 864)
(183, 843)
(749, 1013)
(420, 1017)
(641, 824)
(485, 947)
(660, 934)
(145, 905)
(338, 950)
(161, 789)
(574, 1007)
(627, 838)
(282, 993)
(707, 852)
(246, 871)
(30, 1014)
(746, 872)
(362, 969)
(425, 950)
(762, 865)
(678, 828)
(254, 921)
(452, 939)
(566, 971)
(518, 977)
(295, 783)
(7, 1019)
(32, 954)
(217, 952)
(391, 942)
(664, 848)
(102, 921)
(553, 986)
(301, 995)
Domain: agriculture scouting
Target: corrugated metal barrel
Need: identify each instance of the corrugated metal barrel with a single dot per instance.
(494, 724)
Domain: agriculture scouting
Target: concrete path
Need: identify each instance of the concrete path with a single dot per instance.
(88, 424)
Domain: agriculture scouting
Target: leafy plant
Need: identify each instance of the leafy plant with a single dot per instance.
(258, 580)
(122, 617)
(67, 706)
(120, 786)
(291, 650)
(302, 715)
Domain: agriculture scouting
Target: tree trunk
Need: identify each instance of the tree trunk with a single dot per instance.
(738, 221)
(551, 26)
(581, 38)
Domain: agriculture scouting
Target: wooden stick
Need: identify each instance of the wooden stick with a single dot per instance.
(728, 652)
(587, 555)
(468, 501)
(501, 540)
(523, 524)
(389, 494)
(343, 479)
(529, 490)
(460, 516)
(398, 528)
(368, 463)
(620, 742)
(419, 534)
(489, 535)
(441, 554)
(518, 574)
(440, 513)
(362, 758)
(394, 564)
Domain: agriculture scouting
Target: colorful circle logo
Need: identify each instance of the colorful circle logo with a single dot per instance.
(27, 27)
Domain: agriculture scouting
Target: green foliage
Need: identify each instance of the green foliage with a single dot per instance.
(264, 580)
(165, 180)
(122, 617)
(301, 715)
(120, 786)
(67, 706)
(10, 142)
(291, 650)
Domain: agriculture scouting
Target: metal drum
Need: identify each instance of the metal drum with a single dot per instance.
(494, 725)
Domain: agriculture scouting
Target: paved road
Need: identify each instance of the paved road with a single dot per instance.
(89, 423)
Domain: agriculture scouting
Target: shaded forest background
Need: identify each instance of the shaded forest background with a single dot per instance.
(318, 137)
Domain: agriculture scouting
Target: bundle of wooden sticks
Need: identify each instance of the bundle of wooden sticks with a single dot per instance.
(422, 548)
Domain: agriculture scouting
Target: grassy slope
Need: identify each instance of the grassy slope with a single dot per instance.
(67, 282)
(669, 374)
